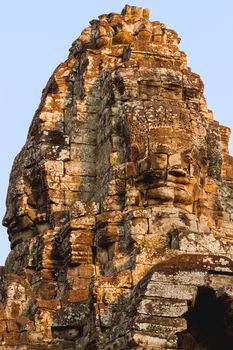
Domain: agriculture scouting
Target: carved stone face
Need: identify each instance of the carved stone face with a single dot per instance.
(26, 201)
(16, 218)
(134, 139)
(166, 145)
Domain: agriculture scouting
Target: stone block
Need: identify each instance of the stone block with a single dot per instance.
(167, 290)
(196, 278)
(163, 307)
(160, 326)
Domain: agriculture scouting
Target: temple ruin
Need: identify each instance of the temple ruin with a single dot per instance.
(120, 204)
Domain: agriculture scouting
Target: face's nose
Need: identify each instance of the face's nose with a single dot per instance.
(7, 219)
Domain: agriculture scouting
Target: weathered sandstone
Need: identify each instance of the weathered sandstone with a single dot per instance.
(120, 204)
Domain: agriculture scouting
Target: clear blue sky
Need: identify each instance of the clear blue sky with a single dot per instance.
(36, 36)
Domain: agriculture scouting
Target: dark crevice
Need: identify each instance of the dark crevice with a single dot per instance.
(209, 323)
(221, 273)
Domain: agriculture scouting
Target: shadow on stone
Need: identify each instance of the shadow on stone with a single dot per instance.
(209, 322)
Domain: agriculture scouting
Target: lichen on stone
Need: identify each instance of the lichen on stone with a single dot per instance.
(120, 204)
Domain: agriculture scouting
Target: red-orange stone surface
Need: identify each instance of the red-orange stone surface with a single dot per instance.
(120, 204)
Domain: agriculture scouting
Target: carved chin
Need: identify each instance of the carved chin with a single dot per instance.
(183, 197)
(168, 194)
(163, 194)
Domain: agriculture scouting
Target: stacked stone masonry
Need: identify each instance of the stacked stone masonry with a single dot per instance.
(120, 204)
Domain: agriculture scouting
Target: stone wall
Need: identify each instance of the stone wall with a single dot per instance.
(120, 204)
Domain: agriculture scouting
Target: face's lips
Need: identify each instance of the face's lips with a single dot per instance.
(12, 228)
(12, 224)
(178, 172)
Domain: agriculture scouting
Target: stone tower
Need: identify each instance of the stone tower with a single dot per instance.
(120, 204)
